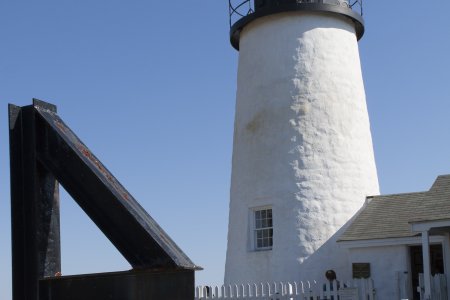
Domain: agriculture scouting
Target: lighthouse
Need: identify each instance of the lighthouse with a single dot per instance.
(303, 160)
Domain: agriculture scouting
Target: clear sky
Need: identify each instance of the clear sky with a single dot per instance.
(149, 86)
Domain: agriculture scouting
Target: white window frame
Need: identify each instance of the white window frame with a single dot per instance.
(254, 229)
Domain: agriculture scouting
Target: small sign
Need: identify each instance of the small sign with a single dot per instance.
(348, 294)
(361, 270)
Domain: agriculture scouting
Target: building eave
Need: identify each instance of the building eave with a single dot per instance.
(413, 240)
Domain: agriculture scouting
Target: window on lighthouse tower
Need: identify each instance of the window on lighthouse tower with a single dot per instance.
(263, 229)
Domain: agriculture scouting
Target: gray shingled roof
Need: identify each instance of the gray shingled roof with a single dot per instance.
(388, 216)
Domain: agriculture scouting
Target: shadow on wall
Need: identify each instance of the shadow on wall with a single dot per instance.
(331, 256)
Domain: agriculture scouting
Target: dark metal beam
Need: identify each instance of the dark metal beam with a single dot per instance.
(34, 209)
(128, 285)
(109, 205)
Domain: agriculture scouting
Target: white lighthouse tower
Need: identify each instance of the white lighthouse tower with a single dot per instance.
(303, 159)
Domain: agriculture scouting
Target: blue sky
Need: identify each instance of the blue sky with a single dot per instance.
(149, 86)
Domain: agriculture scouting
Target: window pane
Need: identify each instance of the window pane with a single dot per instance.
(258, 224)
(259, 234)
(264, 223)
(263, 214)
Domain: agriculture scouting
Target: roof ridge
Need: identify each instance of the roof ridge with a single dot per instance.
(438, 181)
(398, 194)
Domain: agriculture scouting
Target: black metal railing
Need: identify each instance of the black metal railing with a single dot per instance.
(241, 8)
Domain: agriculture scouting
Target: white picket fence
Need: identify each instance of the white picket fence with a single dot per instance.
(358, 289)
(438, 287)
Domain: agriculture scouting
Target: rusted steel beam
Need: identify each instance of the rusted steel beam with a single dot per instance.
(109, 205)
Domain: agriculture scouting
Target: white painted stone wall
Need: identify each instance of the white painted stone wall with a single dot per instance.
(302, 145)
(385, 262)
